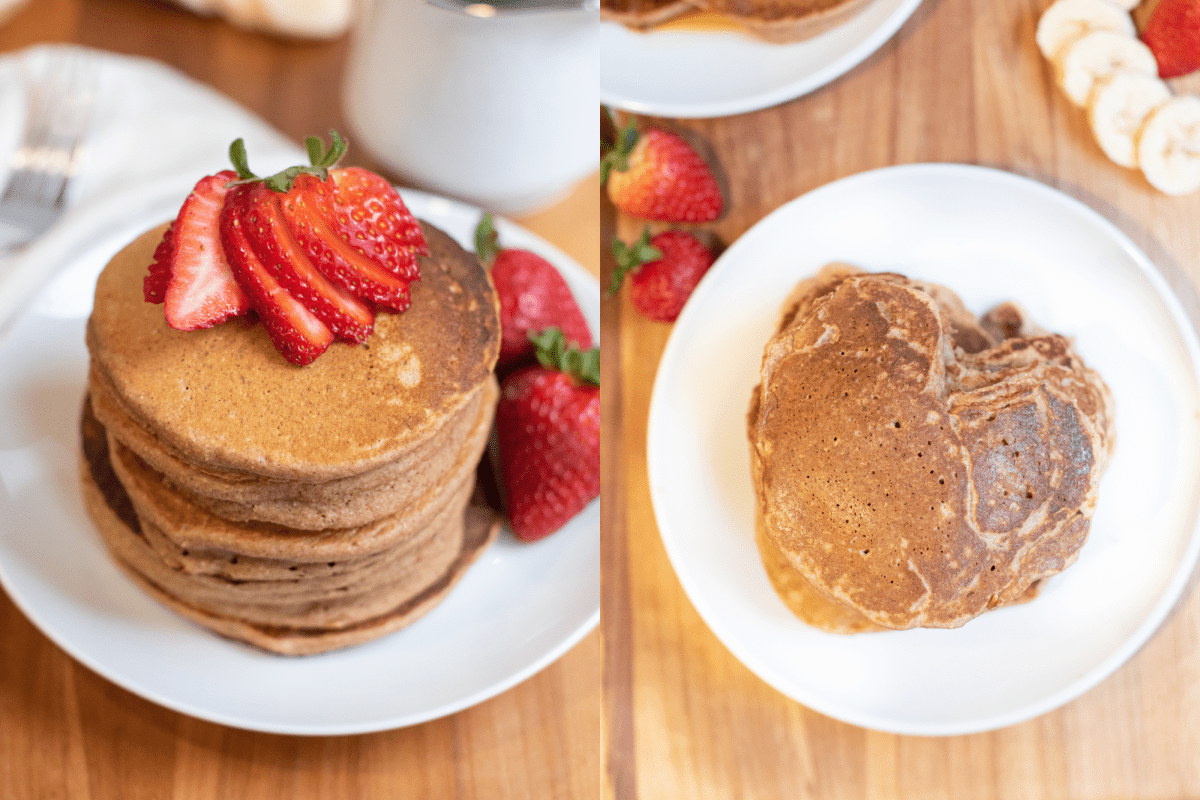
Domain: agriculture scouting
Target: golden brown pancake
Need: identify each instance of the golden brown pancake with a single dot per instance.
(642, 14)
(299, 509)
(341, 502)
(779, 21)
(195, 529)
(225, 603)
(783, 21)
(336, 504)
(224, 398)
(904, 474)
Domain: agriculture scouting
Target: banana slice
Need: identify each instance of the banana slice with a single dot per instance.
(1068, 20)
(1118, 106)
(1097, 55)
(1169, 146)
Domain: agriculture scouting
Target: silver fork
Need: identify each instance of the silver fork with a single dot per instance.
(60, 109)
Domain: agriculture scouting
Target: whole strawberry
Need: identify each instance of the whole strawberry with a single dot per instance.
(548, 427)
(657, 175)
(665, 271)
(1172, 33)
(533, 297)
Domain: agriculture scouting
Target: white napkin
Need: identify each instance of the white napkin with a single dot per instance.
(154, 133)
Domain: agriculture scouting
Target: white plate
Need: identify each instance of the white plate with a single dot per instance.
(680, 73)
(990, 236)
(516, 610)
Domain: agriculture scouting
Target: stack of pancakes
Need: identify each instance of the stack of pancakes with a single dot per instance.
(778, 21)
(915, 466)
(299, 509)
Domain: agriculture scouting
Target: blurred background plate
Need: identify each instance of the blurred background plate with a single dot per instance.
(702, 73)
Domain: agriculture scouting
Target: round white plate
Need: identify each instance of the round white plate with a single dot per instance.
(681, 73)
(990, 236)
(516, 610)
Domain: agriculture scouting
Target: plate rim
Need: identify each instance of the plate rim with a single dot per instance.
(1172, 589)
(576, 275)
(766, 99)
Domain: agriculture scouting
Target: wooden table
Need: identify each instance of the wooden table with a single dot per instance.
(65, 732)
(961, 82)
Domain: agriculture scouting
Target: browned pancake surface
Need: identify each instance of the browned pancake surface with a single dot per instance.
(909, 479)
(643, 13)
(329, 626)
(785, 21)
(224, 397)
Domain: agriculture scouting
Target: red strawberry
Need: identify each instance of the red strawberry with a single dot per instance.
(294, 330)
(548, 426)
(1172, 33)
(657, 175)
(369, 214)
(665, 271)
(312, 249)
(154, 285)
(533, 297)
(334, 256)
(190, 273)
(282, 256)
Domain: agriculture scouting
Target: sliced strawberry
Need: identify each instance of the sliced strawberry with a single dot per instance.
(369, 214)
(332, 255)
(294, 330)
(202, 291)
(1172, 32)
(154, 285)
(284, 257)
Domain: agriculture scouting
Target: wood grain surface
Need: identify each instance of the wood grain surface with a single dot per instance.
(67, 733)
(962, 81)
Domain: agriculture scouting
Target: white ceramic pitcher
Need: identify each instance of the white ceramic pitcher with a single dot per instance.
(501, 111)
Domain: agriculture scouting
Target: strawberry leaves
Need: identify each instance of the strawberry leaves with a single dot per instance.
(617, 157)
(322, 160)
(630, 258)
(554, 352)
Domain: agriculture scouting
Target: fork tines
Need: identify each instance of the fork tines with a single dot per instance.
(60, 108)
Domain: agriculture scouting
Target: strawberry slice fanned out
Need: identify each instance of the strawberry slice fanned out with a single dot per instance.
(332, 254)
(200, 291)
(314, 250)
(369, 214)
(154, 285)
(284, 257)
(294, 330)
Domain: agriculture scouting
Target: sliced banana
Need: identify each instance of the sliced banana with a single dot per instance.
(1067, 20)
(1097, 55)
(1169, 146)
(1118, 106)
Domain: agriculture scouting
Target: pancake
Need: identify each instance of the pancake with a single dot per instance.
(192, 528)
(784, 21)
(906, 473)
(344, 625)
(334, 503)
(308, 506)
(643, 14)
(298, 509)
(223, 397)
